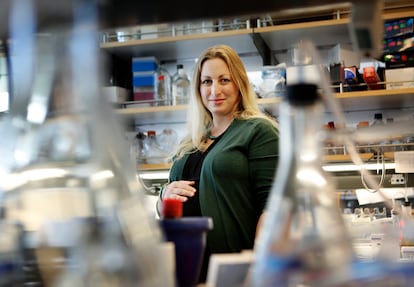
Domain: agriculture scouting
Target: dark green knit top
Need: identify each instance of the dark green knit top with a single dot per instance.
(236, 177)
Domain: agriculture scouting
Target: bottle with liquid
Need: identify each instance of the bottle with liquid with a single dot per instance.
(162, 87)
(303, 240)
(181, 87)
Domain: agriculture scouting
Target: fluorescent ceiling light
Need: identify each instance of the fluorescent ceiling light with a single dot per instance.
(353, 167)
(154, 175)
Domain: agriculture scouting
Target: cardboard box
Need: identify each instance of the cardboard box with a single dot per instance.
(399, 78)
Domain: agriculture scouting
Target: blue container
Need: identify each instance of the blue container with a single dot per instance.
(144, 64)
(189, 235)
(143, 79)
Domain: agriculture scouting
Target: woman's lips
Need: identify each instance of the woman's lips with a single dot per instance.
(217, 101)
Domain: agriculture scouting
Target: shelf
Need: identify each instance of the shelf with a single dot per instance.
(345, 157)
(350, 101)
(324, 33)
(181, 47)
(376, 99)
(278, 37)
(153, 167)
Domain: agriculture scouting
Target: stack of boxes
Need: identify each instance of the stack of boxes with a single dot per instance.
(399, 53)
(143, 78)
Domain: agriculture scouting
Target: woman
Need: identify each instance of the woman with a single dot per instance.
(224, 167)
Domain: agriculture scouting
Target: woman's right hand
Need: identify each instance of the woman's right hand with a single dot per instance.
(181, 189)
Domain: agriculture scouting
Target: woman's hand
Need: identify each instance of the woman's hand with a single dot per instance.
(181, 189)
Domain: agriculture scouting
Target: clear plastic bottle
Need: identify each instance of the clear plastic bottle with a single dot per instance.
(154, 153)
(303, 241)
(181, 87)
(168, 140)
(162, 87)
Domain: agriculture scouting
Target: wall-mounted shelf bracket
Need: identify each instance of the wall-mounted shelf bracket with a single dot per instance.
(265, 52)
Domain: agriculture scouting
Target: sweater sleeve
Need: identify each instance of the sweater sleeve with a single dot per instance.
(263, 159)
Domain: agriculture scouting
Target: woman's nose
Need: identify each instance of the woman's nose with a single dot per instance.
(215, 89)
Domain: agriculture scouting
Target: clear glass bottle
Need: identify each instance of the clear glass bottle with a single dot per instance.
(303, 241)
(140, 139)
(181, 87)
(162, 87)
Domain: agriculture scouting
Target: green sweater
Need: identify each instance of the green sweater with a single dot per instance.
(236, 177)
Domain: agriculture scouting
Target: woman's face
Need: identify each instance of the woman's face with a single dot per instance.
(219, 92)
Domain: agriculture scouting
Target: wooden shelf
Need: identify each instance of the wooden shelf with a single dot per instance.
(181, 47)
(376, 99)
(346, 157)
(152, 167)
(350, 101)
(324, 33)
(278, 38)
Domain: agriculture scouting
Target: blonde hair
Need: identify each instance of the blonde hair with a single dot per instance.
(199, 119)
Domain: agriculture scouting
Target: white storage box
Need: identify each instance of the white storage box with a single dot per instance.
(401, 78)
(115, 94)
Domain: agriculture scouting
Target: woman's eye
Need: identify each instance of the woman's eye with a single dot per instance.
(206, 82)
(224, 81)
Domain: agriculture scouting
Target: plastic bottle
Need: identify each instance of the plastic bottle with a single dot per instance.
(162, 87)
(180, 87)
(303, 241)
(167, 140)
(152, 149)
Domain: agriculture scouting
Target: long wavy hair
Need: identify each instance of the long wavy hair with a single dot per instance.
(199, 118)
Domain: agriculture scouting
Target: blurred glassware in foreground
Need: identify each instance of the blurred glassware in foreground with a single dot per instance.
(303, 240)
(65, 175)
(273, 81)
